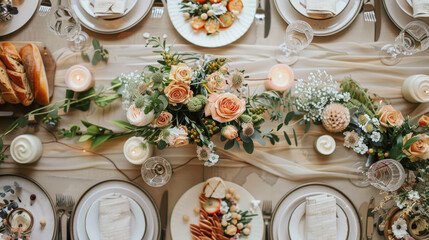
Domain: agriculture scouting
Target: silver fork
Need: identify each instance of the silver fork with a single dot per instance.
(45, 7)
(69, 209)
(368, 12)
(267, 210)
(157, 9)
(260, 13)
(60, 205)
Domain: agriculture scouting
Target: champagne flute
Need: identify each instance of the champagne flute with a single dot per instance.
(63, 22)
(412, 39)
(387, 175)
(299, 35)
(156, 171)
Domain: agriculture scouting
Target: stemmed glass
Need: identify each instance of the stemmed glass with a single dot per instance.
(387, 175)
(156, 171)
(299, 35)
(63, 22)
(412, 39)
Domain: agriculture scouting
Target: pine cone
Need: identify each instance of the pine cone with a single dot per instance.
(335, 117)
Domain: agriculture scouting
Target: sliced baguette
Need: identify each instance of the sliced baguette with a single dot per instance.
(36, 73)
(10, 57)
(214, 188)
(21, 85)
(7, 92)
(2, 100)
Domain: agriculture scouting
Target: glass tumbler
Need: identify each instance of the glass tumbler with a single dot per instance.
(156, 171)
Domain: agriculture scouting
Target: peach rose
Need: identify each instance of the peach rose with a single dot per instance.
(230, 132)
(389, 117)
(137, 117)
(216, 82)
(178, 92)
(224, 107)
(419, 149)
(423, 121)
(178, 136)
(181, 73)
(163, 120)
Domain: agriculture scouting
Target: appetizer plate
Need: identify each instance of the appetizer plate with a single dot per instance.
(287, 208)
(398, 16)
(128, 189)
(223, 37)
(138, 221)
(321, 27)
(25, 11)
(297, 223)
(299, 6)
(89, 8)
(112, 26)
(15, 110)
(42, 208)
(180, 229)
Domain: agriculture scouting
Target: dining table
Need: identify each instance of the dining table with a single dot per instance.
(271, 171)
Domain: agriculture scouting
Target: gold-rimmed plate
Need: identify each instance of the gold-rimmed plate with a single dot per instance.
(300, 7)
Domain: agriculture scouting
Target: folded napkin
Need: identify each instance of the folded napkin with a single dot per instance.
(321, 7)
(420, 8)
(114, 217)
(109, 8)
(321, 218)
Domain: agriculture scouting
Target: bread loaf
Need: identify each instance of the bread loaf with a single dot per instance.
(7, 92)
(214, 188)
(10, 57)
(36, 73)
(1, 100)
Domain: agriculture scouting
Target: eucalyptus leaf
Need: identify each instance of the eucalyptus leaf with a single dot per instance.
(289, 117)
(279, 126)
(97, 58)
(1, 144)
(22, 121)
(307, 126)
(103, 101)
(161, 145)
(96, 44)
(229, 144)
(100, 139)
(287, 138)
(85, 137)
(123, 124)
(93, 129)
(294, 136)
(85, 56)
(248, 147)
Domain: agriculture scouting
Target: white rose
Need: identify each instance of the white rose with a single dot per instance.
(137, 117)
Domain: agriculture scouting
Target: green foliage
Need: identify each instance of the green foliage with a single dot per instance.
(360, 94)
(100, 53)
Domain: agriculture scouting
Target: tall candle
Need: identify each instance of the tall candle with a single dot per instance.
(137, 150)
(26, 148)
(416, 88)
(78, 78)
(280, 78)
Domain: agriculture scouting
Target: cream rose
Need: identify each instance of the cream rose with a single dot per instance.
(230, 132)
(389, 117)
(137, 117)
(178, 136)
(419, 149)
(163, 120)
(181, 73)
(216, 82)
(224, 107)
(178, 92)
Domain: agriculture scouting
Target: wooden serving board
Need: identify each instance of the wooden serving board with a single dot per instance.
(16, 110)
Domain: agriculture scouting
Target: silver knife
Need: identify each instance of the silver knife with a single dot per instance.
(378, 19)
(370, 219)
(267, 18)
(363, 213)
(164, 214)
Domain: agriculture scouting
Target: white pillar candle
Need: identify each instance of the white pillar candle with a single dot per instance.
(280, 78)
(26, 148)
(78, 78)
(325, 144)
(137, 150)
(415, 88)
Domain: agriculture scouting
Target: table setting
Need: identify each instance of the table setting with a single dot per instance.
(214, 119)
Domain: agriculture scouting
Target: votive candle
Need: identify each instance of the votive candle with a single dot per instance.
(416, 88)
(280, 78)
(26, 148)
(78, 78)
(137, 150)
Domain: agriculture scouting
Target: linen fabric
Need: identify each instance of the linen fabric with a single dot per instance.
(103, 8)
(320, 217)
(321, 7)
(420, 8)
(114, 217)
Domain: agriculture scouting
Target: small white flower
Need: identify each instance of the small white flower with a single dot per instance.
(213, 159)
(211, 145)
(413, 195)
(375, 136)
(204, 153)
(227, 217)
(401, 204)
(375, 122)
(218, 9)
(399, 228)
(361, 148)
(224, 207)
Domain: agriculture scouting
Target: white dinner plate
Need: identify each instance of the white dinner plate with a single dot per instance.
(200, 37)
(287, 205)
(321, 27)
(132, 191)
(42, 208)
(297, 223)
(89, 8)
(406, 7)
(112, 26)
(25, 11)
(138, 221)
(299, 6)
(398, 16)
(180, 229)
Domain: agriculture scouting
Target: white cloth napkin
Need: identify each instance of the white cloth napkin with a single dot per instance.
(114, 217)
(107, 8)
(321, 7)
(321, 218)
(420, 8)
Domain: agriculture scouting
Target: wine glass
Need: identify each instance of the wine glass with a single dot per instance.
(412, 39)
(63, 22)
(387, 175)
(156, 171)
(299, 35)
